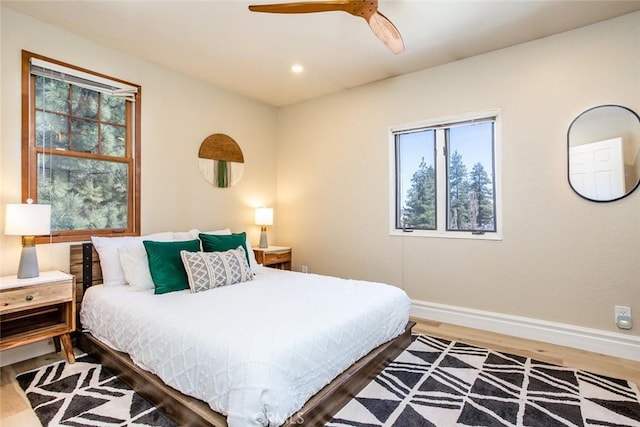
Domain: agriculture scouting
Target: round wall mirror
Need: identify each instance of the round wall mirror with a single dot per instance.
(604, 153)
(220, 160)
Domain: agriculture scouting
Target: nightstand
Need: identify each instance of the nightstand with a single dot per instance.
(274, 256)
(38, 308)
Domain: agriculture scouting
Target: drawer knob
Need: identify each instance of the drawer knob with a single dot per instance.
(29, 297)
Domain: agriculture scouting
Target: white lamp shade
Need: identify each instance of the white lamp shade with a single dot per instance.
(264, 216)
(27, 219)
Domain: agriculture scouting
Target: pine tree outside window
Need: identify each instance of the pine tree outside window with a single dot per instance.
(81, 150)
(445, 177)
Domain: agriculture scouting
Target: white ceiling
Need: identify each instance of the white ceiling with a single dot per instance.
(222, 43)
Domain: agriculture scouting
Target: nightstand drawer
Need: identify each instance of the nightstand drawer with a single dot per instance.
(275, 257)
(35, 296)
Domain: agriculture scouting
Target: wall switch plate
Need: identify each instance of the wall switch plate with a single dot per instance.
(623, 317)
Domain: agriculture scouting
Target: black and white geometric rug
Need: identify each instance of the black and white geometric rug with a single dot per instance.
(436, 382)
(86, 394)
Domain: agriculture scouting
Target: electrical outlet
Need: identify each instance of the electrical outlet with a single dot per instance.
(621, 310)
(623, 316)
(304, 268)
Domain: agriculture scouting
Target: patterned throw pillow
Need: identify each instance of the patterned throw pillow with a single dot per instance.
(208, 270)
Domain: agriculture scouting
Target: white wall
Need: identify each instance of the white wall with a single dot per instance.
(178, 113)
(563, 259)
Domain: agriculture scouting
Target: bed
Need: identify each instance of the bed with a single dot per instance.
(257, 365)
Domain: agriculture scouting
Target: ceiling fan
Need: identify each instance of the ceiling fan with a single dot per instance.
(366, 9)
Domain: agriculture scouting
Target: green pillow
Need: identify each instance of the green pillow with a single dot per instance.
(165, 264)
(224, 242)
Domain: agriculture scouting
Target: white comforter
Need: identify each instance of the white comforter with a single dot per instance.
(255, 351)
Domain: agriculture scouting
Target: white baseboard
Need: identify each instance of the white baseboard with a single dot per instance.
(593, 340)
(18, 354)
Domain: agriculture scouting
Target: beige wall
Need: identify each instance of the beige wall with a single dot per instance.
(177, 114)
(563, 259)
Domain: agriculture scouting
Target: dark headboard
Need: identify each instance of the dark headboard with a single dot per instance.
(84, 264)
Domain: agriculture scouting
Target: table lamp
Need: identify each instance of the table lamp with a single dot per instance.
(264, 217)
(27, 220)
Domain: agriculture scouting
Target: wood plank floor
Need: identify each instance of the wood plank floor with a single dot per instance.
(551, 353)
(16, 412)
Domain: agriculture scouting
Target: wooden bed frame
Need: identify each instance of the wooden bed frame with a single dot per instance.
(188, 411)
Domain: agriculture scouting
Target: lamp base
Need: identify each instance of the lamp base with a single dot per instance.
(263, 239)
(28, 267)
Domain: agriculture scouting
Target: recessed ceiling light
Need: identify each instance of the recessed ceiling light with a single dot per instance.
(297, 68)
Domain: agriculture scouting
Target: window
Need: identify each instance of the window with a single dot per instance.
(81, 148)
(445, 177)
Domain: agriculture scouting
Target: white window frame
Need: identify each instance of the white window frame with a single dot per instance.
(441, 179)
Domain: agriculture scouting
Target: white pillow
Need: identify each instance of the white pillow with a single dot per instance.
(135, 265)
(222, 232)
(179, 236)
(135, 262)
(252, 257)
(107, 248)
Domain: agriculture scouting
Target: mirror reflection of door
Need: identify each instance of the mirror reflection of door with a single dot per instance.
(604, 153)
(597, 169)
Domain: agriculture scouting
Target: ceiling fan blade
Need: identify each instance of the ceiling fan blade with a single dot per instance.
(387, 32)
(366, 9)
(303, 7)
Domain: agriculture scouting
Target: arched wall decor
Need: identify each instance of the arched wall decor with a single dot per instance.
(220, 160)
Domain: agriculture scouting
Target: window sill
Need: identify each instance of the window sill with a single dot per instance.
(447, 235)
